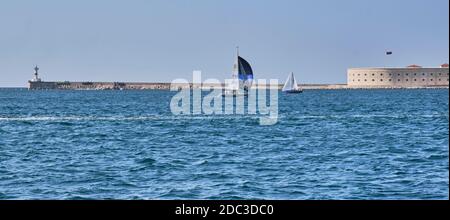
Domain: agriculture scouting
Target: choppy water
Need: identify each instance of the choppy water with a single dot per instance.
(362, 144)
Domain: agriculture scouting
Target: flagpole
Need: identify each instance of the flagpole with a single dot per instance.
(386, 59)
(387, 54)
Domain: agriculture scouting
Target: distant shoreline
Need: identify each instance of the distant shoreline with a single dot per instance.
(55, 85)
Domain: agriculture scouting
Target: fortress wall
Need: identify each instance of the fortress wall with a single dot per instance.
(397, 77)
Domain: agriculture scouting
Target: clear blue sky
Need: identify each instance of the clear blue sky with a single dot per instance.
(160, 40)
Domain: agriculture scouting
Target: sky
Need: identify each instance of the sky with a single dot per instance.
(162, 40)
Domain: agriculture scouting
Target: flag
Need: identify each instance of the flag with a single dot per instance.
(388, 52)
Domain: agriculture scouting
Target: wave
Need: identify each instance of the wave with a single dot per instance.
(77, 118)
(210, 117)
(126, 118)
(368, 116)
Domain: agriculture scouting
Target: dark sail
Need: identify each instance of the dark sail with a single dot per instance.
(245, 70)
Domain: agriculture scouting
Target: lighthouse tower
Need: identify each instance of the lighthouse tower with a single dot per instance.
(36, 75)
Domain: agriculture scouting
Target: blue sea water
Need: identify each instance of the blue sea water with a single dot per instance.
(328, 144)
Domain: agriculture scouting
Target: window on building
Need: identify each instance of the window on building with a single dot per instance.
(415, 79)
(381, 80)
(373, 80)
(407, 80)
(381, 74)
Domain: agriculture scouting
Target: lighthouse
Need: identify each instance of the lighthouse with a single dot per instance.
(36, 75)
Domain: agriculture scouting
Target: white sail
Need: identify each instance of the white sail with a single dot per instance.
(290, 84)
(295, 84)
(235, 80)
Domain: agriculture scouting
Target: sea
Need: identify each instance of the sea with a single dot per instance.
(326, 145)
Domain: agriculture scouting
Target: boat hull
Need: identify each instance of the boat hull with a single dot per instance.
(293, 91)
(234, 94)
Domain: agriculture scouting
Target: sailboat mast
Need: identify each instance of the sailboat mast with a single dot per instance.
(236, 67)
(237, 60)
(293, 80)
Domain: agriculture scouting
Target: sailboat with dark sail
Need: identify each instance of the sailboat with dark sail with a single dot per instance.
(291, 85)
(242, 78)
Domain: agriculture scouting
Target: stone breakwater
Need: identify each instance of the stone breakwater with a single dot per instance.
(166, 86)
(96, 86)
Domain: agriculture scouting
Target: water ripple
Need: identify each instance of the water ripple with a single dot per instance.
(374, 144)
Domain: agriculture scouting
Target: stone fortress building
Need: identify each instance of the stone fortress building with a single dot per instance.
(413, 76)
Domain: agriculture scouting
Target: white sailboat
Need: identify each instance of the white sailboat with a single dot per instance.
(291, 85)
